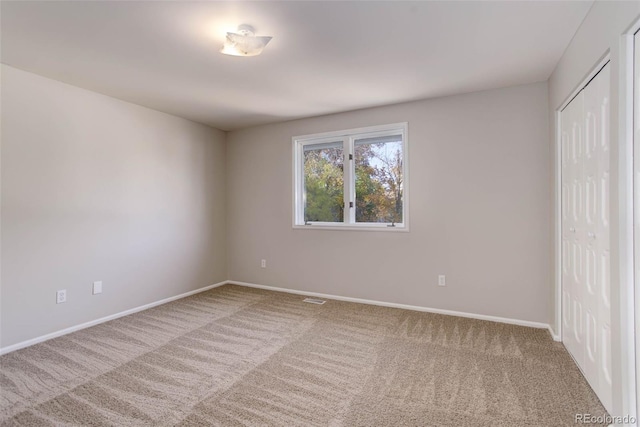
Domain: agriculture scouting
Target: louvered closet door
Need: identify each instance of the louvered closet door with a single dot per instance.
(586, 302)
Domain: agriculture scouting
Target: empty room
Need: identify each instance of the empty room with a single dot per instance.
(319, 213)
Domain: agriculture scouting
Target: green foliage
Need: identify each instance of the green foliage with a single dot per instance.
(324, 185)
(378, 183)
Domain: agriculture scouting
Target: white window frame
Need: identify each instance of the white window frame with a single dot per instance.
(348, 138)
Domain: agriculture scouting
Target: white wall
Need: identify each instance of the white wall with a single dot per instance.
(94, 188)
(479, 203)
(604, 32)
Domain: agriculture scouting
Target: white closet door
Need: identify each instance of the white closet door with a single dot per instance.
(597, 244)
(572, 131)
(585, 233)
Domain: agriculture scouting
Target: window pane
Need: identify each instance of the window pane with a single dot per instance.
(323, 183)
(378, 166)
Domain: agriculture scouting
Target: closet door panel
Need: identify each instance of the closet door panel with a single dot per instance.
(596, 301)
(572, 196)
(585, 233)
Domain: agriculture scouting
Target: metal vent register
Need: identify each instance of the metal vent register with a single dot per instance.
(314, 301)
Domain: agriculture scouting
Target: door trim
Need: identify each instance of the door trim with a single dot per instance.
(629, 285)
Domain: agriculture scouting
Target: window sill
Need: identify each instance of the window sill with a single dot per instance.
(351, 227)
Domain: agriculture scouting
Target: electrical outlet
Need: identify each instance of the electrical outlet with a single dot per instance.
(441, 280)
(97, 288)
(263, 263)
(61, 296)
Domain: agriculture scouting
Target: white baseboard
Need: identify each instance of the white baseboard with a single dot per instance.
(403, 306)
(556, 337)
(27, 343)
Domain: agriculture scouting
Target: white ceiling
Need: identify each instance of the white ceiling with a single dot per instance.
(325, 57)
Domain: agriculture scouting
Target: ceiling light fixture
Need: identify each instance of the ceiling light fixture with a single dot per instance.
(244, 42)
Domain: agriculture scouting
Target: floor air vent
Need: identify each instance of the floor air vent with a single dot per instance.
(314, 301)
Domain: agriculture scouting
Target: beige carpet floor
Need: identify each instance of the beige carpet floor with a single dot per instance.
(236, 356)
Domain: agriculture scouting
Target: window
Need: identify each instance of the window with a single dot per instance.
(352, 179)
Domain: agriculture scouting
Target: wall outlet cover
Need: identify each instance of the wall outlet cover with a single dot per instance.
(97, 288)
(61, 296)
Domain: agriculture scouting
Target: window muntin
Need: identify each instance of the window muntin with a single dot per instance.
(352, 179)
